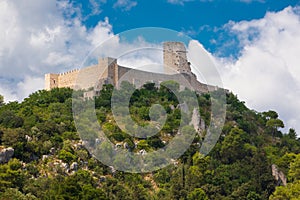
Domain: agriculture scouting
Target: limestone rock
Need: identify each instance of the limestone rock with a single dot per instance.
(6, 154)
(112, 169)
(44, 157)
(52, 151)
(143, 152)
(197, 122)
(102, 179)
(184, 107)
(74, 166)
(279, 176)
(28, 138)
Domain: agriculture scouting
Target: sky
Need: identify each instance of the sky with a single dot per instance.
(255, 44)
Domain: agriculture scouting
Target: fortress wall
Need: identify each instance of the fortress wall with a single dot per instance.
(89, 76)
(108, 71)
(112, 73)
(199, 87)
(139, 78)
(67, 79)
(123, 70)
(51, 81)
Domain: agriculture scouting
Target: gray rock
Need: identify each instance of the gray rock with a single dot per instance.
(102, 179)
(28, 138)
(97, 141)
(65, 167)
(74, 166)
(279, 175)
(125, 145)
(112, 169)
(6, 154)
(44, 157)
(197, 122)
(118, 145)
(184, 107)
(52, 150)
(172, 107)
(143, 152)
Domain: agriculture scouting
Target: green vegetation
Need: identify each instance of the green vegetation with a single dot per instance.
(50, 161)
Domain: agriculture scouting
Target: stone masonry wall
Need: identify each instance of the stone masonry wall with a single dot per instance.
(108, 71)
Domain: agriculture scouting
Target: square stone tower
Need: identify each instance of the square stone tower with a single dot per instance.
(51, 81)
(175, 59)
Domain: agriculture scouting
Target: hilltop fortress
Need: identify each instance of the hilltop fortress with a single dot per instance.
(107, 71)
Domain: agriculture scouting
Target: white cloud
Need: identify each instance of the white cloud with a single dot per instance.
(179, 2)
(182, 2)
(125, 4)
(38, 38)
(250, 1)
(203, 65)
(266, 75)
(30, 84)
(95, 7)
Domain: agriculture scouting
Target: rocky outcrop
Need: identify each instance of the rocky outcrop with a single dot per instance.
(184, 107)
(279, 176)
(6, 154)
(74, 166)
(197, 122)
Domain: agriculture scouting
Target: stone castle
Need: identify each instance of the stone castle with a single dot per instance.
(107, 71)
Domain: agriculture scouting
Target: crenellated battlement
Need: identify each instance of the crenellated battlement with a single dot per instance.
(68, 72)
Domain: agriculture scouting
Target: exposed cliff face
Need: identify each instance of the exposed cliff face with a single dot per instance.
(197, 122)
(279, 176)
(6, 154)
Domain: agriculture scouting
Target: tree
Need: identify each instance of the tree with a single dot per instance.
(294, 172)
(10, 120)
(292, 134)
(290, 191)
(233, 146)
(197, 194)
(11, 175)
(270, 114)
(274, 124)
(15, 194)
(1, 100)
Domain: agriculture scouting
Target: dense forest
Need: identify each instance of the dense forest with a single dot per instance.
(49, 159)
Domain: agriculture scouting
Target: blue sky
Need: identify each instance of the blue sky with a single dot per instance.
(201, 20)
(254, 44)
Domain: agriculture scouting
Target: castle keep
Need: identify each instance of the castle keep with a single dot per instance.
(107, 71)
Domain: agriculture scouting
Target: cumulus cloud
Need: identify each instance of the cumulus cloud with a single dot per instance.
(179, 2)
(266, 74)
(38, 38)
(125, 5)
(182, 2)
(250, 1)
(49, 37)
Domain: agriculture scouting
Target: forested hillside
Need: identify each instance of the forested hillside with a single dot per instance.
(49, 159)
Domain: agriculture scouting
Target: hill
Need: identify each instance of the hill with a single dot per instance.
(50, 160)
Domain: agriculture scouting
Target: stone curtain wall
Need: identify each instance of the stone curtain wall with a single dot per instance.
(81, 79)
(108, 71)
(67, 79)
